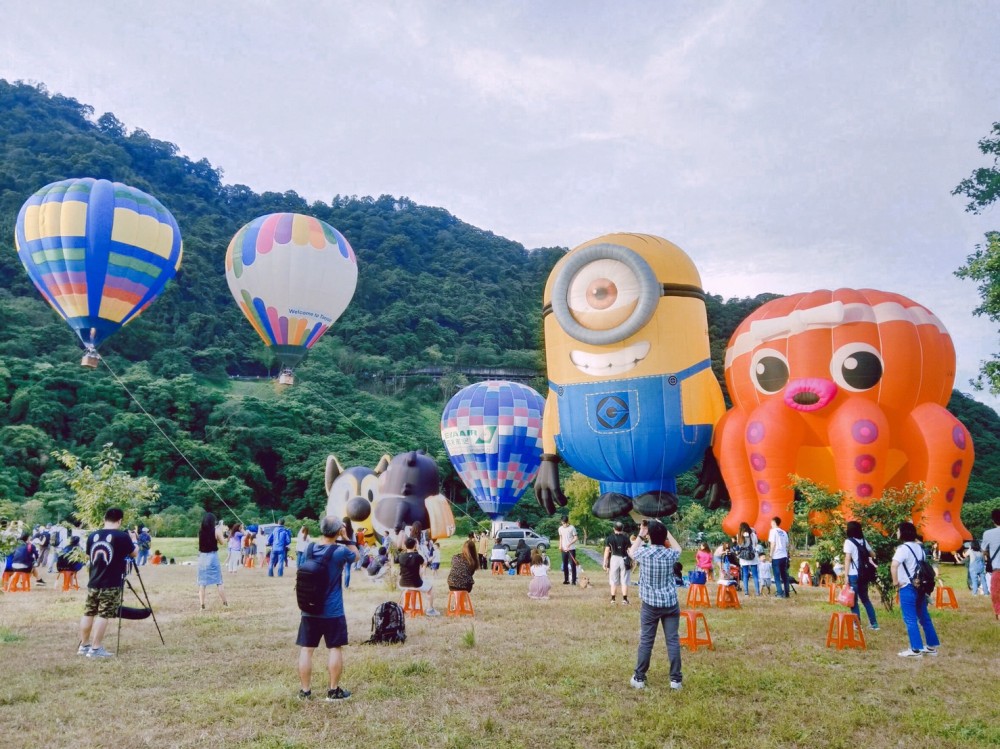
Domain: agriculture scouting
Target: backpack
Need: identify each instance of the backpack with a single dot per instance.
(312, 581)
(988, 558)
(922, 577)
(866, 573)
(748, 553)
(388, 625)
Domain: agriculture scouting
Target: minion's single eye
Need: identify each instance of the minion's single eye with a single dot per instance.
(857, 367)
(769, 371)
(603, 294)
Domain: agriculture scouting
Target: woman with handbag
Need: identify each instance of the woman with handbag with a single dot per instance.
(859, 563)
(746, 550)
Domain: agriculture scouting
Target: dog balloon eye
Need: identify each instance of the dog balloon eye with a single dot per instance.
(769, 371)
(857, 367)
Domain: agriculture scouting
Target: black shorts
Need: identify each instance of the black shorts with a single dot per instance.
(312, 629)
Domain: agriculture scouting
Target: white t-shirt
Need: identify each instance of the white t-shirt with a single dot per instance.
(498, 554)
(778, 541)
(764, 569)
(539, 570)
(851, 548)
(991, 546)
(567, 538)
(301, 542)
(907, 554)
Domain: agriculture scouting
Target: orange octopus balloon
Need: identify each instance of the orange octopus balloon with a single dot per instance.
(846, 388)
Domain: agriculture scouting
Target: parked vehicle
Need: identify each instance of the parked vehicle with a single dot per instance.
(510, 537)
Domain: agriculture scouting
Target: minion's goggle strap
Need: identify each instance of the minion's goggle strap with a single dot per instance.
(666, 289)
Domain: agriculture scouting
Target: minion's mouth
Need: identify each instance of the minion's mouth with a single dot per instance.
(602, 365)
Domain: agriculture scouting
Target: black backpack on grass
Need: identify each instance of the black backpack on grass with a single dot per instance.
(312, 581)
(388, 625)
(922, 578)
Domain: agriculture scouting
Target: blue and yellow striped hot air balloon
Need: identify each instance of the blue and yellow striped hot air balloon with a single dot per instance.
(99, 252)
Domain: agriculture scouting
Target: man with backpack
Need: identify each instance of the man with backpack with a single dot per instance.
(321, 601)
(914, 578)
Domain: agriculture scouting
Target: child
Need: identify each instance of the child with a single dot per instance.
(539, 587)
(805, 574)
(157, 558)
(435, 559)
(764, 570)
(703, 560)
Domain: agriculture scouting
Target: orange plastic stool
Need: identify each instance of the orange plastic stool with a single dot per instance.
(727, 597)
(249, 562)
(833, 593)
(459, 604)
(498, 568)
(413, 603)
(845, 631)
(827, 579)
(6, 579)
(524, 570)
(698, 597)
(690, 639)
(69, 580)
(19, 582)
(943, 593)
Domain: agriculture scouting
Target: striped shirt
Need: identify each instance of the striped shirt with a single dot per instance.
(656, 575)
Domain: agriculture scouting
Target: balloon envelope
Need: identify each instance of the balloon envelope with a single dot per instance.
(293, 276)
(493, 434)
(99, 252)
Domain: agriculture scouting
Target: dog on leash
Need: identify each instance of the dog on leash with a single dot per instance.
(583, 581)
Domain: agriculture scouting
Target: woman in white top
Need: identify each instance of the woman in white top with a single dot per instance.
(912, 603)
(853, 546)
(540, 585)
(301, 544)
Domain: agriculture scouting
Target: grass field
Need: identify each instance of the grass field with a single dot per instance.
(522, 674)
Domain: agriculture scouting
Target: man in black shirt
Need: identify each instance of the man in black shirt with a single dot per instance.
(410, 563)
(108, 550)
(615, 561)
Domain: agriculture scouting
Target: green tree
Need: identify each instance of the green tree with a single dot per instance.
(104, 485)
(879, 518)
(982, 188)
(581, 493)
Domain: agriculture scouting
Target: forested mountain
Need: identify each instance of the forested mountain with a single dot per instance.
(433, 291)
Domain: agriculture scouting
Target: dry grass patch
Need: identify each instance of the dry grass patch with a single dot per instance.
(522, 674)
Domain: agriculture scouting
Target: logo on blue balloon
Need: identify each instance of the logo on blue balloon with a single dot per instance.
(613, 412)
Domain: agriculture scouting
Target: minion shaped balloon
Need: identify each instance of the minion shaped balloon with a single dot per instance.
(632, 398)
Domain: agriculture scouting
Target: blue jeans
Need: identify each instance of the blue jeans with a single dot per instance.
(861, 594)
(913, 605)
(779, 570)
(299, 556)
(745, 572)
(277, 559)
(651, 617)
(568, 565)
(143, 557)
(978, 580)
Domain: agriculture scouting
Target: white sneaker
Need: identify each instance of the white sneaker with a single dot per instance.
(433, 612)
(99, 653)
(636, 684)
(83, 650)
(929, 651)
(675, 685)
(910, 653)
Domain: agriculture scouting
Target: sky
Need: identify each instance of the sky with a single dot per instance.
(785, 146)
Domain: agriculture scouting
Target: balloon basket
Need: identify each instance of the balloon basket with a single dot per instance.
(90, 360)
(285, 378)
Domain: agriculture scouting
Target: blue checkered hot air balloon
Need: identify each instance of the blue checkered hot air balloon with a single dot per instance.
(493, 434)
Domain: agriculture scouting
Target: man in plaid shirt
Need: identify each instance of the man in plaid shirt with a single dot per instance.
(659, 599)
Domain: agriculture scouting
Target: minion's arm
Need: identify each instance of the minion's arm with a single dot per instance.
(547, 489)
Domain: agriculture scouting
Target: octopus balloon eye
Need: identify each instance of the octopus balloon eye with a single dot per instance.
(857, 367)
(769, 371)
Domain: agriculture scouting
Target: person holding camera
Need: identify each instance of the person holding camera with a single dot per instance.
(109, 550)
(659, 599)
(337, 550)
(616, 562)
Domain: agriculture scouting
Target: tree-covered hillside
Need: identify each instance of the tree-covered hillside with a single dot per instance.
(433, 292)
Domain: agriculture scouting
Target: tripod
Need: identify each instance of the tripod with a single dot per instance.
(144, 602)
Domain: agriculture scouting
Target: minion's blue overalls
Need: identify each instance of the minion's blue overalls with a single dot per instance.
(630, 434)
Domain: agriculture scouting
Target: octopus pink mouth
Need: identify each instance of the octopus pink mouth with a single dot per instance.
(809, 394)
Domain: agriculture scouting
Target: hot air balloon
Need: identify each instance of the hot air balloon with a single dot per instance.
(99, 252)
(293, 276)
(847, 388)
(493, 434)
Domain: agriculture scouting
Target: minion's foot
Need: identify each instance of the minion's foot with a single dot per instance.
(612, 505)
(655, 504)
